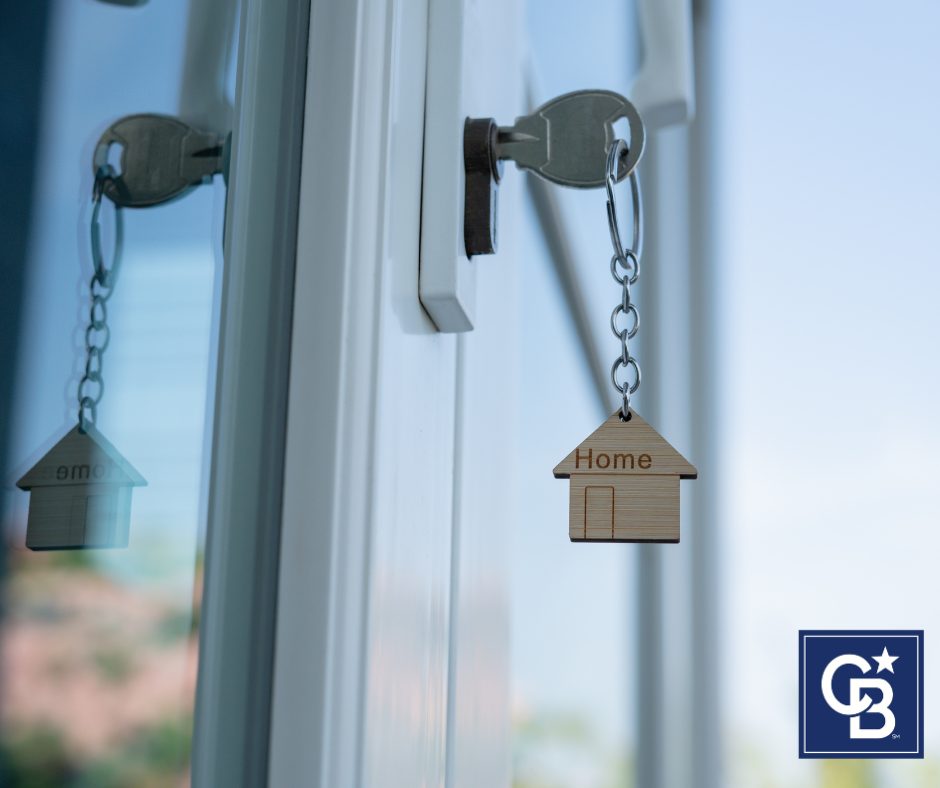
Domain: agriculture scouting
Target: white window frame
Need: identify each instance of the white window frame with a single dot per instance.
(236, 642)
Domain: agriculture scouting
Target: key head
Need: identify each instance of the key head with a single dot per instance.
(566, 139)
(161, 159)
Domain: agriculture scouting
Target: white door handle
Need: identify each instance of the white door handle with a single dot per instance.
(210, 48)
(664, 90)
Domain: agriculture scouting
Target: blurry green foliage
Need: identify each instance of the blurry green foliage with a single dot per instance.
(114, 663)
(152, 757)
(549, 744)
(847, 774)
(78, 560)
(35, 758)
(176, 625)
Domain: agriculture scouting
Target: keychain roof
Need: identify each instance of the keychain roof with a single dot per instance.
(623, 444)
(81, 458)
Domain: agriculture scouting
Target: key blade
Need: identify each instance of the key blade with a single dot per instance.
(202, 157)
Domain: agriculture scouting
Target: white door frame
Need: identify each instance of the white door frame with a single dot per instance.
(381, 516)
(354, 92)
(236, 642)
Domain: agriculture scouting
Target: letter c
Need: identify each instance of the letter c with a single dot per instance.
(862, 703)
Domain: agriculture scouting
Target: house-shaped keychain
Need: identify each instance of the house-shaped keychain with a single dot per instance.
(80, 494)
(624, 484)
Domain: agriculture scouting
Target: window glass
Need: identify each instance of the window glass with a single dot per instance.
(572, 664)
(828, 188)
(570, 611)
(99, 646)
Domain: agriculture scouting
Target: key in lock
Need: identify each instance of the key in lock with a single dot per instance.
(564, 141)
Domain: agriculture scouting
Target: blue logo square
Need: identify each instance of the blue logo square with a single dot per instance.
(861, 694)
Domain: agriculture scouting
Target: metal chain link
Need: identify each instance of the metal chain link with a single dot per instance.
(625, 269)
(101, 287)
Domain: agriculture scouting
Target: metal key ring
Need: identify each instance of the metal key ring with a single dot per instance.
(617, 150)
(106, 276)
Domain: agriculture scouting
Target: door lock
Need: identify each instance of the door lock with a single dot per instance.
(565, 141)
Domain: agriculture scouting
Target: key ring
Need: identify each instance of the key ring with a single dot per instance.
(629, 260)
(618, 150)
(105, 276)
(101, 287)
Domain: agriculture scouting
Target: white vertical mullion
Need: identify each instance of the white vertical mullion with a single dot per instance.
(652, 712)
(248, 439)
(679, 599)
(666, 570)
(706, 307)
(362, 650)
(318, 703)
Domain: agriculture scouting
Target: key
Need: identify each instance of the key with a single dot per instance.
(566, 139)
(161, 158)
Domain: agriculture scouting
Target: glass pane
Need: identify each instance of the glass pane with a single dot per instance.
(832, 331)
(570, 610)
(99, 646)
(572, 668)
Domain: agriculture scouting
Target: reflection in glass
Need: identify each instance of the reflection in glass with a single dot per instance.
(98, 649)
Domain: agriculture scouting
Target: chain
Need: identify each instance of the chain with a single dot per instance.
(101, 287)
(625, 268)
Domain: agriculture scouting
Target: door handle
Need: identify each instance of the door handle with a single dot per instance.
(664, 89)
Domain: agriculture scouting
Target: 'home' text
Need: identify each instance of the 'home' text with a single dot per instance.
(624, 461)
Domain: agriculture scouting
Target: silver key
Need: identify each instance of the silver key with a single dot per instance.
(161, 159)
(566, 139)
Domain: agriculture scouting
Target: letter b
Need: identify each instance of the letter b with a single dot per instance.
(882, 708)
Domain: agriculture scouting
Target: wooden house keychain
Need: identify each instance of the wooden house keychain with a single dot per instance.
(80, 491)
(624, 477)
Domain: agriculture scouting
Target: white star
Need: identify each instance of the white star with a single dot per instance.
(885, 661)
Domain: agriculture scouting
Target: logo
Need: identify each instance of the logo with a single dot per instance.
(862, 694)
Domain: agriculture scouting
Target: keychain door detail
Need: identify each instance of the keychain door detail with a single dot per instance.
(624, 477)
